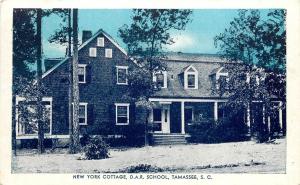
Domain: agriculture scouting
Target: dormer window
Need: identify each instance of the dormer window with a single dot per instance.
(190, 78)
(191, 81)
(222, 82)
(160, 78)
(220, 78)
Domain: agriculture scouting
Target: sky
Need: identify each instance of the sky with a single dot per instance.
(198, 37)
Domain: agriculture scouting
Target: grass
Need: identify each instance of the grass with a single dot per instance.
(238, 157)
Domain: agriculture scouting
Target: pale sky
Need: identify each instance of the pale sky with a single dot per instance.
(198, 37)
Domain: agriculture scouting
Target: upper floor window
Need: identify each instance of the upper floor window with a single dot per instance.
(108, 53)
(222, 82)
(122, 113)
(100, 41)
(220, 78)
(122, 72)
(93, 52)
(81, 73)
(191, 78)
(160, 78)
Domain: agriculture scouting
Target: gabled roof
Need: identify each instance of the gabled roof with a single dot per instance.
(185, 69)
(217, 70)
(176, 88)
(83, 45)
(193, 57)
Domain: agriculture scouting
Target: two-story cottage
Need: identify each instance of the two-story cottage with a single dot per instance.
(186, 93)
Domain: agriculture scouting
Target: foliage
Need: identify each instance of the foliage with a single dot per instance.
(256, 41)
(60, 36)
(27, 112)
(260, 45)
(209, 131)
(96, 149)
(150, 30)
(141, 168)
(257, 47)
(141, 83)
(24, 36)
(145, 38)
(130, 135)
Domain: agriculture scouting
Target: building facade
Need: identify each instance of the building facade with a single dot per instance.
(186, 94)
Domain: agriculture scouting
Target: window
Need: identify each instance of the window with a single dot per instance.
(157, 119)
(82, 114)
(191, 78)
(100, 41)
(191, 81)
(26, 116)
(189, 115)
(81, 73)
(122, 72)
(108, 53)
(161, 79)
(122, 113)
(221, 79)
(222, 110)
(93, 52)
(222, 83)
(157, 115)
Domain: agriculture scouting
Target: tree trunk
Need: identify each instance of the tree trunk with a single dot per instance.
(41, 148)
(69, 32)
(75, 83)
(14, 142)
(70, 98)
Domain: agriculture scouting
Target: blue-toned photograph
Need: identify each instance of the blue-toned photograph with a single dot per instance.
(149, 91)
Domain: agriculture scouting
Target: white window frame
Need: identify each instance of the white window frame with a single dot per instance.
(106, 53)
(122, 67)
(100, 41)
(122, 105)
(218, 75)
(165, 76)
(91, 51)
(84, 66)
(85, 113)
(186, 73)
(46, 99)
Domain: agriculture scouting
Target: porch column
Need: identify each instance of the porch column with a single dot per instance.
(280, 115)
(182, 118)
(264, 119)
(216, 111)
(248, 118)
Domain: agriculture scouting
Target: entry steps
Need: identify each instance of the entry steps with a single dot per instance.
(168, 139)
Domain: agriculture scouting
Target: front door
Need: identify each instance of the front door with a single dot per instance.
(161, 119)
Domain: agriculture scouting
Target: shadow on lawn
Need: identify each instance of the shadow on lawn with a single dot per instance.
(147, 168)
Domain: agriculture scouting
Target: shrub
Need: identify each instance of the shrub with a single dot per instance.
(96, 149)
(214, 132)
(142, 168)
(85, 139)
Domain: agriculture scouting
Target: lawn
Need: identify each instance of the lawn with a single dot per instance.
(238, 157)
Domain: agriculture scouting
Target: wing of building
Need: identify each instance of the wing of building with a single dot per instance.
(187, 93)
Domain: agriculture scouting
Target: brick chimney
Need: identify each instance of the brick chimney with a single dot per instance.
(86, 35)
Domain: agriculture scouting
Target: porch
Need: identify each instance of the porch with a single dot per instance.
(174, 116)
